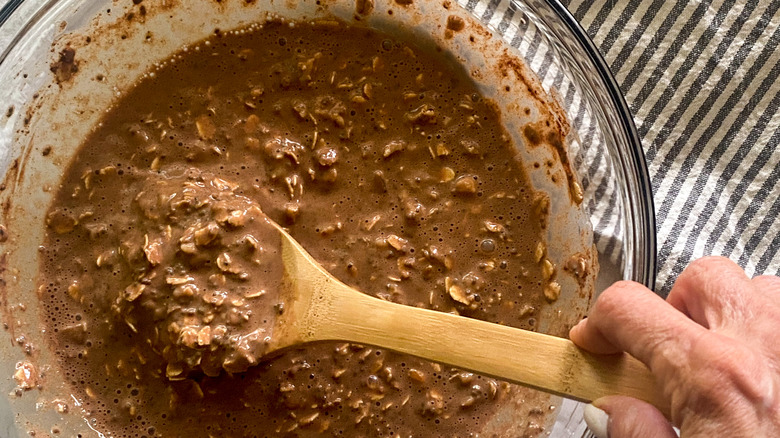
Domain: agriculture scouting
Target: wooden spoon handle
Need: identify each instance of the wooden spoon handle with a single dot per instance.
(540, 361)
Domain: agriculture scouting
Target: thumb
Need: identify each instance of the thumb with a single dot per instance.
(626, 417)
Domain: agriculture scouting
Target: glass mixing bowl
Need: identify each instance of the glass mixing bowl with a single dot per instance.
(604, 145)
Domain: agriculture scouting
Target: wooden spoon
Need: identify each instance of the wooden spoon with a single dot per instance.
(318, 307)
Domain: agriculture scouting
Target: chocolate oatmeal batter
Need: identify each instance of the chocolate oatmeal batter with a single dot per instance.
(208, 275)
(380, 158)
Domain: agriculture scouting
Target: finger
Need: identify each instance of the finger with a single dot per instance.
(626, 417)
(629, 317)
(768, 286)
(588, 337)
(762, 330)
(714, 292)
(766, 300)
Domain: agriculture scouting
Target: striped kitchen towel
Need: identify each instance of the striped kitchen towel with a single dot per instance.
(699, 77)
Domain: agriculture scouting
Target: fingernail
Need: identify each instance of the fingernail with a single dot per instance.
(597, 420)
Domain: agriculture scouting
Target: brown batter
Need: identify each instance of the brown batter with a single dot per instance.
(208, 276)
(381, 159)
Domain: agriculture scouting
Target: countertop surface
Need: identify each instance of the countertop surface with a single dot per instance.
(700, 78)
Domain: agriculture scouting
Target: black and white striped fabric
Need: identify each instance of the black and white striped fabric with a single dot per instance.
(700, 79)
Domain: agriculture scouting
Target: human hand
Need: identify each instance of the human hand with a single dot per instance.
(713, 347)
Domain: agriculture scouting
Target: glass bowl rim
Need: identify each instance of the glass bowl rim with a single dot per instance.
(638, 171)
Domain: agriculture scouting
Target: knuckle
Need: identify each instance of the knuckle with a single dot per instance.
(621, 289)
(625, 284)
(708, 267)
(770, 282)
(724, 369)
(712, 284)
(713, 262)
(614, 297)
